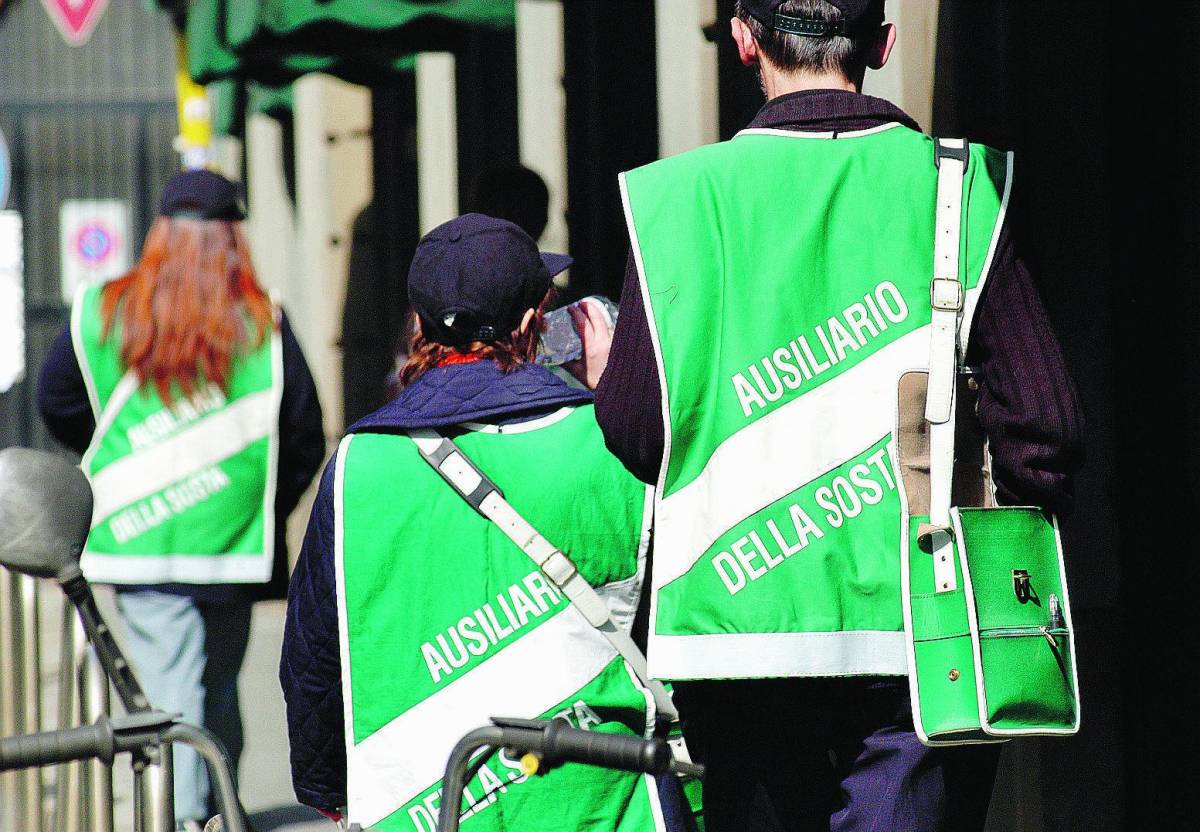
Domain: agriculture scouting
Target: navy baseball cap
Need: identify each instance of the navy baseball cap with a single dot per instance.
(473, 277)
(203, 195)
(853, 12)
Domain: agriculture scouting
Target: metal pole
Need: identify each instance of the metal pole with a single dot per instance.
(20, 708)
(154, 791)
(66, 783)
(31, 678)
(10, 817)
(97, 786)
(78, 661)
(139, 802)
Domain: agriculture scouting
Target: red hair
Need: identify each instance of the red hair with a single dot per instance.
(188, 305)
(509, 353)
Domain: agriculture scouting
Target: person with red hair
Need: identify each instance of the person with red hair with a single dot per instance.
(185, 390)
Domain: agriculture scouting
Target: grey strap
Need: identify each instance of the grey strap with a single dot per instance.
(946, 299)
(485, 497)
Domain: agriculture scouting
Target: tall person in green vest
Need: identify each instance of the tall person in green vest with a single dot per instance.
(187, 394)
(779, 285)
(412, 618)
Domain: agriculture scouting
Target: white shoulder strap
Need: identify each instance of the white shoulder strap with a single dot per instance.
(482, 494)
(946, 289)
(946, 298)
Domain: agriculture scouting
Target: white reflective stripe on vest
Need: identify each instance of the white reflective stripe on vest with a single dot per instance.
(742, 655)
(394, 763)
(765, 463)
(209, 441)
(178, 568)
(125, 388)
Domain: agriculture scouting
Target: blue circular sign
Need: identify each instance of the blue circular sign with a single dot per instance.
(94, 243)
(5, 171)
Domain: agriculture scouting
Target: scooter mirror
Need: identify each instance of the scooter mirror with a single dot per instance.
(45, 513)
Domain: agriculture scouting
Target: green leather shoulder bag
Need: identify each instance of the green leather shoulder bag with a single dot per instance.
(987, 617)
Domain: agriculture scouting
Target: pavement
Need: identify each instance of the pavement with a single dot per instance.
(265, 782)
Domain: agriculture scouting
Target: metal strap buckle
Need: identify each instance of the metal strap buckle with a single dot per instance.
(559, 569)
(946, 294)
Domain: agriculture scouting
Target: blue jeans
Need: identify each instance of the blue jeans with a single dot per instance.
(187, 654)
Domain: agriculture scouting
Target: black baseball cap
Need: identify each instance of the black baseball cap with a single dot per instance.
(473, 277)
(203, 195)
(853, 12)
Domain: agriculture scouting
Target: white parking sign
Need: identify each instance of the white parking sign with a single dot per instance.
(93, 241)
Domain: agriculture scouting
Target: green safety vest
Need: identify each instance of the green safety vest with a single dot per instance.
(444, 622)
(788, 281)
(186, 492)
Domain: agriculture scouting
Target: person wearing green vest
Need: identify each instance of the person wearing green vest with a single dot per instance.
(781, 285)
(413, 618)
(187, 394)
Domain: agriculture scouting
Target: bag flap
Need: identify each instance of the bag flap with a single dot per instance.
(1014, 560)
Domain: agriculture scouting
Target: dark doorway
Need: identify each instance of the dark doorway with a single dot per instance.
(612, 126)
(1104, 116)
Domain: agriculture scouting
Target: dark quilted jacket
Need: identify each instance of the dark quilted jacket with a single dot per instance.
(310, 671)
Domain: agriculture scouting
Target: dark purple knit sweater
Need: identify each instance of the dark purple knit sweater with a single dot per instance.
(1028, 404)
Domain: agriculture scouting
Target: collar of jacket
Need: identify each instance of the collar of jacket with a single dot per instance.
(477, 392)
(822, 110)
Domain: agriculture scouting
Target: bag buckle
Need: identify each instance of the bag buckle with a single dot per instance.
(946, 294)
(1021, 586)
(955, 149)
(559, 569)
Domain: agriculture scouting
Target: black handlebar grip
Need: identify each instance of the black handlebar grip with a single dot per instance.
(52, 747)
(607, 750)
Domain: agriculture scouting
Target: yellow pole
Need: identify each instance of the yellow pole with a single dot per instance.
(194, 142)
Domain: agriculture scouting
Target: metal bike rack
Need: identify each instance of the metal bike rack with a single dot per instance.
(20, 695)
(83, 792)
(45, 511)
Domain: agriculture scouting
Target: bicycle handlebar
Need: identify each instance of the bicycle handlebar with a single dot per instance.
(618, 751)
(102, 740)
(209, 747)
(553, 742)
(53, 747)
(134, 733)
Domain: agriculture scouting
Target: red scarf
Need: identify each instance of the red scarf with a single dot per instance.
(460, 358)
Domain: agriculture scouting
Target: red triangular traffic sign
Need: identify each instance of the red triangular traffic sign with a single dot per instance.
(75, 19)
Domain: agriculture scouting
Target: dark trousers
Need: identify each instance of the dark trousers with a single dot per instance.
(835, 755)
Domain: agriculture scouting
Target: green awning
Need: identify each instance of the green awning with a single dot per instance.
(276, 102)
(365, 41)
